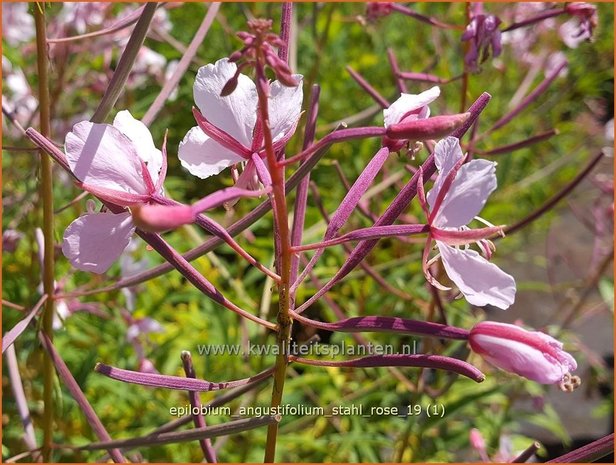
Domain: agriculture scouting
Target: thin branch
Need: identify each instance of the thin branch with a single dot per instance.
(184, 63)
(125, 65)
(80, 397)
(232, 427)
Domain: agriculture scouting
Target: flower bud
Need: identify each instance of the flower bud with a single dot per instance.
(428, 128)
(159, 218)
(531, 354)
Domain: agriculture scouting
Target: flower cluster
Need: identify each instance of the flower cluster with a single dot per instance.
(484, 38)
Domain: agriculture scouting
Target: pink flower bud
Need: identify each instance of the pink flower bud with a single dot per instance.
(429, 128)
(158, 218)
(531, 354)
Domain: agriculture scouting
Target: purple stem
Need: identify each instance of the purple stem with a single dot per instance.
(206, 444)
(395, 69)
(197, 279)
(301, 198)
(378, 98)
(364, 234)
(424, 19)
(348, 249)
(182, 66)
(535, 19)
(174, 382)
(425, 77)
(218, 401)
(388, 324)
(15, 331)
(348, 204)
(421, 77)
(397, 207)
(520, 145)
(530, 98)
(362, 206)
(588, 453)
(554, 200)
(438, 362)
(80, 397)
(285, 31)
(341, 135)
(217, 230)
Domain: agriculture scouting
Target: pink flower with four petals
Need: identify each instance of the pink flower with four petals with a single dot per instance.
(459, 193)
(229, 129)
(119, 164)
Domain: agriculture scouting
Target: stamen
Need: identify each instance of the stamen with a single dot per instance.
(569, 383)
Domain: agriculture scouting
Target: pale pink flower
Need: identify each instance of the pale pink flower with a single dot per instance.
(120, 164)
(17, 95)
(571, 34)
(531, 354)
(17, 22)
(229, 130)
(580, 28)
(81, 16)
(458, 195)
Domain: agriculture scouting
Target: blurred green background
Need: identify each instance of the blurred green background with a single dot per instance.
(329, 37)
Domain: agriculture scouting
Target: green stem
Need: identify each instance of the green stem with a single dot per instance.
(284, 255)
(47, 198)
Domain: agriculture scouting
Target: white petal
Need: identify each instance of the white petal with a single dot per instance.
(94, 241)
(202, 156)
(447, 152)
(236, 113)
(474, 183)
(410, 102)
(139, 133)
(285, 106)
(481, 282)
(100, 155)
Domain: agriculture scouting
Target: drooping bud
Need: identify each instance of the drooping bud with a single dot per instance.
(259, 45)
(376, 10)
(159, 218)
(531, 354)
